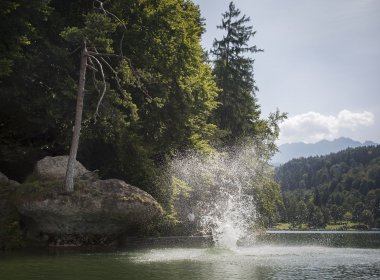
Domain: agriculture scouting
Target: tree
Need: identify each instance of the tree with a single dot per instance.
(316, 218)
(268, 199)
(358, 209)
(347, 216)
(94, 36)
(336, 213)
(317, 198)
(301, 212)
(326, 215)
(366, 217)
(165, 43)
(18, 28)
(162, 107)
(239, 113)
(164, 79)
(69, 178)
(35, 86)
(292, 211)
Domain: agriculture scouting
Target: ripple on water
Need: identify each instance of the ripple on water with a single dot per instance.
(287, 255)
(259, 262)
(267, 262)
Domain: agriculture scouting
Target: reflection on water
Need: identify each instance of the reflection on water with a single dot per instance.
(270, 262)
(262, 261)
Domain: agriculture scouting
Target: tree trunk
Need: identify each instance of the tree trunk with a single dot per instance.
(70, 172)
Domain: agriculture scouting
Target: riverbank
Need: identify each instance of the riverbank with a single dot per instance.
(339, 226)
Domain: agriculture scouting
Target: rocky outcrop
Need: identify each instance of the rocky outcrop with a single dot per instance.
(99, 208)
(5, 182)
(52, 168)
(3, 179)
(97, 212)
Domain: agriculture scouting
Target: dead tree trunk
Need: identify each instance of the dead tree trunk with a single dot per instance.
(70, 172)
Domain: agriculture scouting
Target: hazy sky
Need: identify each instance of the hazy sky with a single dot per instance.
(321, 63)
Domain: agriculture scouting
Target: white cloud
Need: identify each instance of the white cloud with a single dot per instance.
(312, 127)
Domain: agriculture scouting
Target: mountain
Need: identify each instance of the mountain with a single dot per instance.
(323, 147)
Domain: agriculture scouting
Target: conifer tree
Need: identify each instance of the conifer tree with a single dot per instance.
(239, 112)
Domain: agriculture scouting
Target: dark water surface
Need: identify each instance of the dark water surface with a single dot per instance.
(277, 255)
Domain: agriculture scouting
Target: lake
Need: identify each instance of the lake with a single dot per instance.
(275, 255)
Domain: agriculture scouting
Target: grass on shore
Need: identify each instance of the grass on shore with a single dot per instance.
(337, 226)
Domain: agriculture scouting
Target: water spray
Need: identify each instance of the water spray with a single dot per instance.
(221, 199)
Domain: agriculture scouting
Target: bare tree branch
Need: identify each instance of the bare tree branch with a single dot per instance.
(137, 76)
(135, 72)
(101, 7)
(75, 50)
(116, 76)
(104, 54)
(108, 65)
(91, 65)
(94, 80)
(96, 114)
(100, 58)
(121, 45)
(109, 13)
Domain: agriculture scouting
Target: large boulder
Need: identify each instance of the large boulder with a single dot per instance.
(52, 168)
(3, 179)
(5, 182)
(97, 212)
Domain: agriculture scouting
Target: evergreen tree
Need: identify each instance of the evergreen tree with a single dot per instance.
(239, 113)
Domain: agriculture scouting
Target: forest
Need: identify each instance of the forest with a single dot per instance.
(151, 92)
(341, 187)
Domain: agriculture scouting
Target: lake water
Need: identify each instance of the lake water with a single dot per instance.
(276, 255)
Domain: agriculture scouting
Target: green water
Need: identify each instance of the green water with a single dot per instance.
(275, 256)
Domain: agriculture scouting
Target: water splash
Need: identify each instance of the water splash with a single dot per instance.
(221, 196)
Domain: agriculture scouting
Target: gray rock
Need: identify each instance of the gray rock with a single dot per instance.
(7, 183)
(105, 209)
(53, 168)
(3, 179)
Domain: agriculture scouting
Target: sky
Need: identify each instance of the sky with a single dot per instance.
(321, 64)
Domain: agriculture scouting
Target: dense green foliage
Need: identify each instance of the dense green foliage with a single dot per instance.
(10, 228)
(339, 187)
(168, 91)
(161, 100)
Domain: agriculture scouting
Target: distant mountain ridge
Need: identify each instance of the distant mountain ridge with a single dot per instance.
(323, 147)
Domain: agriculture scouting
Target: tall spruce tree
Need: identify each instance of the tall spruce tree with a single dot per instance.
(239, 113)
